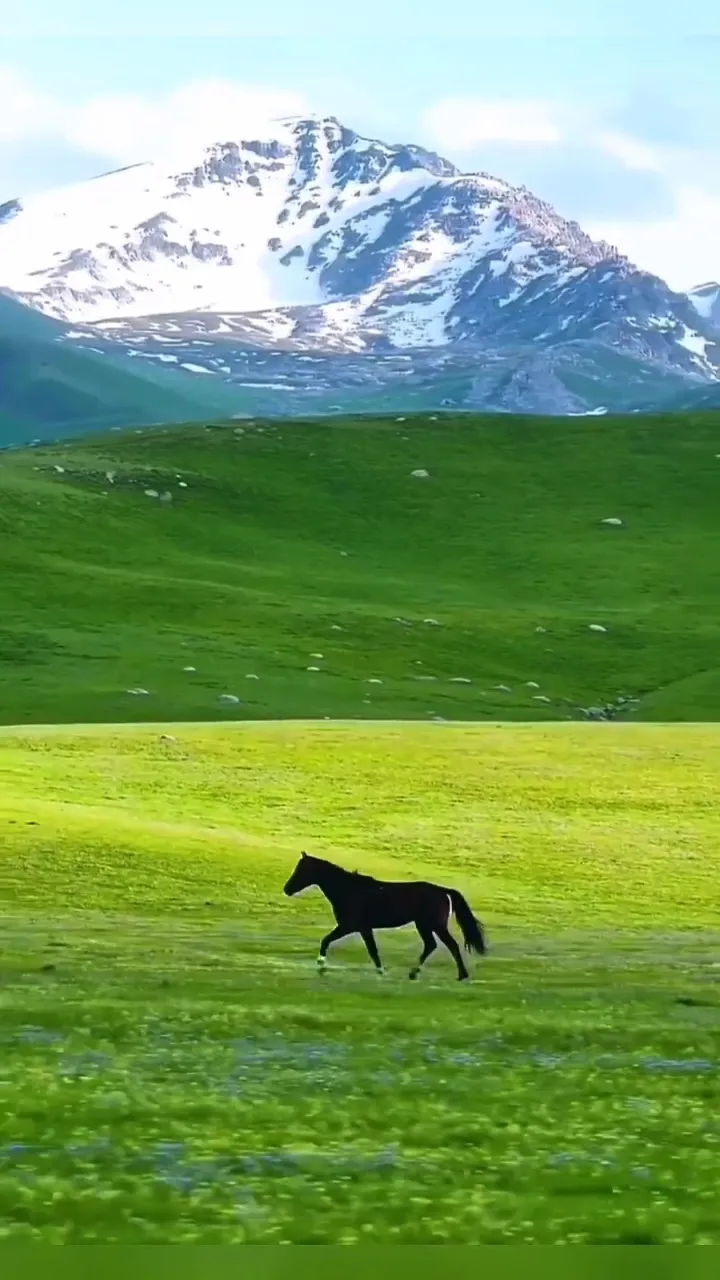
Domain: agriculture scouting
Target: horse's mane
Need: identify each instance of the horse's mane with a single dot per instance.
(356, 875)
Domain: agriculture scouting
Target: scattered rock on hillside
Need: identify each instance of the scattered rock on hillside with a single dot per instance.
(374, 680)
(596, 626)
(541, 630)
(139, 692)
(503, 688)
(420, 474)
(151, 493)
(251, 676)
(531, 684)
(611, 709)
(460, 680)
(431, 622)
(540, 697)
(612, 520)
(228, 697)
(312, 668)
(189, 668)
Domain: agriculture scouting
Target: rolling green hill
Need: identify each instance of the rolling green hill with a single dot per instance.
(283, 542)
(49, 389)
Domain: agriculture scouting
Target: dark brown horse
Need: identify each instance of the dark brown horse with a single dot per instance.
(362, 904)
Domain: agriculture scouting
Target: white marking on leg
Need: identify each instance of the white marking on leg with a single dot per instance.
(450, 905)
(321, 962)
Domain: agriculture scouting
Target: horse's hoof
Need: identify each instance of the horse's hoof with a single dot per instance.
(413, 975)
(463, 977)
(380, 973)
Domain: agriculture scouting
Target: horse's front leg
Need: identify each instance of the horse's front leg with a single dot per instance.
(368, 938)
(340, 931)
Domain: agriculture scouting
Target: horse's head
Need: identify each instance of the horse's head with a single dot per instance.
(304, 875)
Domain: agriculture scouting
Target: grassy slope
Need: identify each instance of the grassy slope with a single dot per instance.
(103, 589)
(173, 1068)
(48, 389)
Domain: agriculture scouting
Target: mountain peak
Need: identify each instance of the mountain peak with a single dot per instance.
(324, 237)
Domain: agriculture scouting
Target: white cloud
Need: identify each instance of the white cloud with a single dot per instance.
(131, 127)
(631, 152)
(684, 249)
(459, 124)
(25, 111)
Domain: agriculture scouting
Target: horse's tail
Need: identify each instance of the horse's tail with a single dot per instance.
(472, 929)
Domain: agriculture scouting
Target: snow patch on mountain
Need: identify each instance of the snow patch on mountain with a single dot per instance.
(235, 230)
(692, 341)
(706, 301)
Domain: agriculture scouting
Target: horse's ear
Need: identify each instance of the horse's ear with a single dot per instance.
(303, 855)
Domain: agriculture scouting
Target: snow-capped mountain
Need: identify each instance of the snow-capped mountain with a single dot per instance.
(706, 301)
(316, 238)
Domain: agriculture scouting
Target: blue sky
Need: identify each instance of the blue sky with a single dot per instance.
(611, 111)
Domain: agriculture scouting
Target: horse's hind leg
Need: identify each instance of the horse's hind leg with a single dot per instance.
(429, 946)
(448, 941)
(368, 938)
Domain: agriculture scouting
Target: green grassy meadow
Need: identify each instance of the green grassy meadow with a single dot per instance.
(174, 1069)
(282, 542)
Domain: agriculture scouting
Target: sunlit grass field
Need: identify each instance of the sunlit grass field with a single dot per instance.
(172, 1067)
